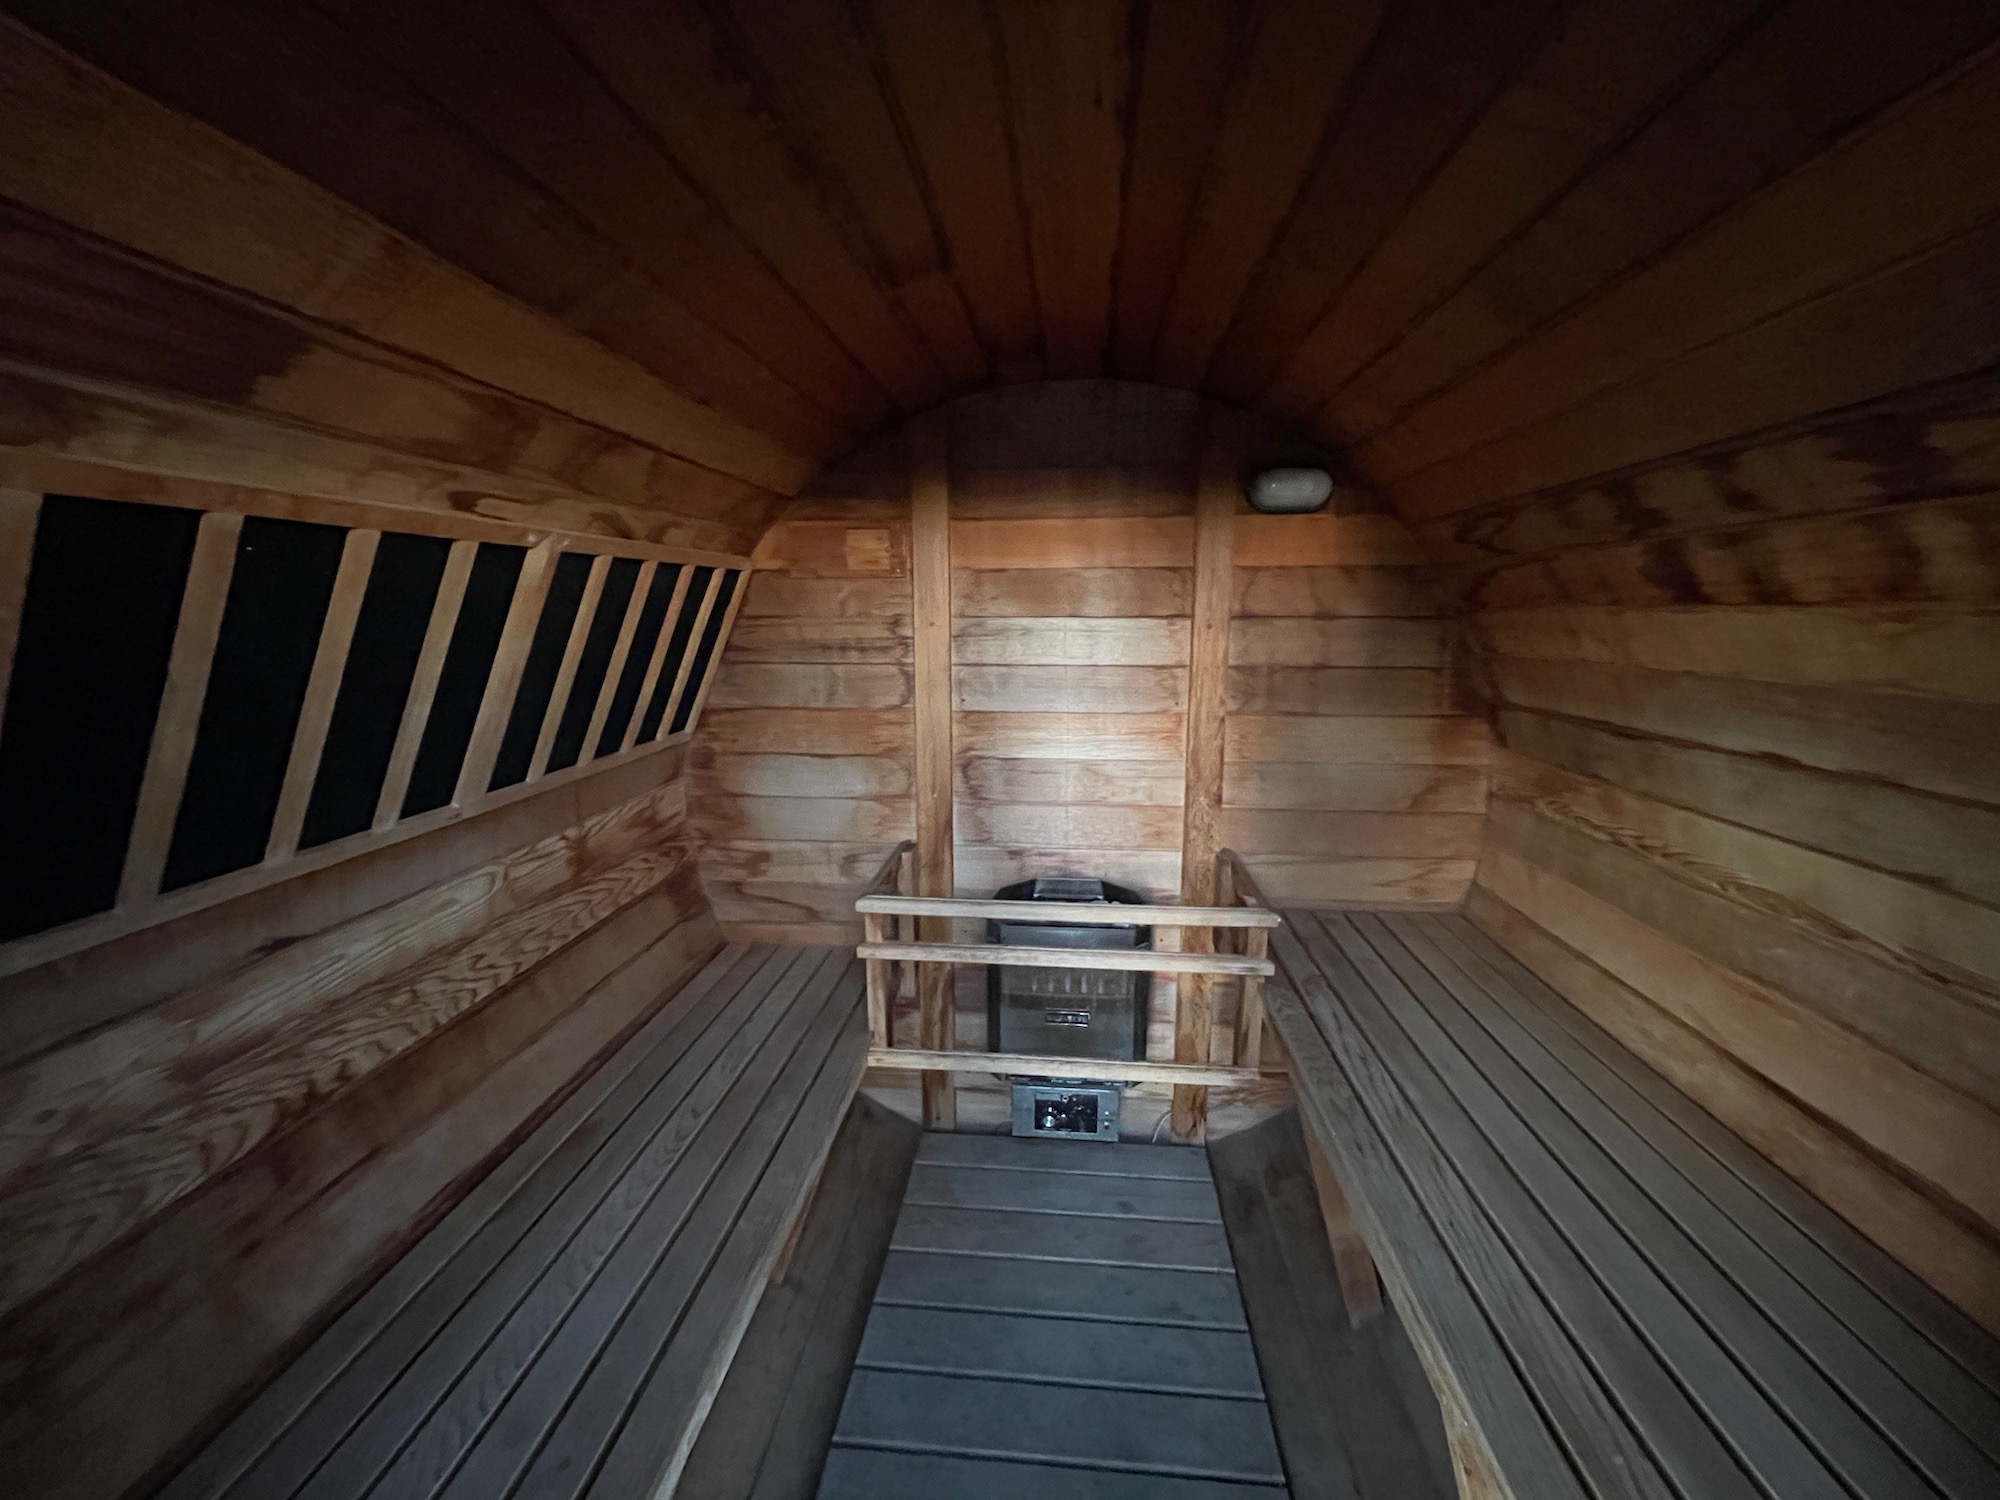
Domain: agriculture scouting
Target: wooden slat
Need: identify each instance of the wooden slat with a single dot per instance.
(1142, 961)
(424, 683)
(579, 633)
(1084, 913)
(707, 684)
(1592, 1139)
(607, 1361)
(1038, 1065)
(1074, 542)
(614, 669)
(19, 512)
(202, 601)
(1070, 688)
(658, 660)
(336, 635)
(1472, 1361)
(410, 1301)
(685, 677)
(1872, 1292)
(930, 578)
(1053, 640)
(1656, 1289)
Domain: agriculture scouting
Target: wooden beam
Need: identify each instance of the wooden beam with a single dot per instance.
(930, 587)
(1039, 1065)
(496, 702)
(424, 684)
(683, 672)
(336, 635)
(20, 510)
(659, 661)
(1140, 960)
(1085, 913)
(1360, 1286)
(1216, 504)
(579, 632)
(202, 600)
(620, 650)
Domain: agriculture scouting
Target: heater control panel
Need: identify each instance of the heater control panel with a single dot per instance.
(1066, 1111)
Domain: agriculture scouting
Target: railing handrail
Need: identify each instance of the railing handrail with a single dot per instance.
(1140, 960)
(886, 878)
(1087, 913)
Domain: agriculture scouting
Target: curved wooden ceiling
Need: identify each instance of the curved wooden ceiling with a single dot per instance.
(1424, 228)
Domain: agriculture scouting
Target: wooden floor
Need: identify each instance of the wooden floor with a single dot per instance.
(1056, 1319)
(1353, 1411)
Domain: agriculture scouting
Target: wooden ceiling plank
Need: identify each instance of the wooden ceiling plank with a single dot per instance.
(525, 91)
(1191, 51)
(945, 82)
(1929, 319)
(1067, 77)
(1608, 66)
(665, 62)
(291, 84)
(140, 176)
(1434, 68)
(1843, 61)
(809, 61)
(1290, 86)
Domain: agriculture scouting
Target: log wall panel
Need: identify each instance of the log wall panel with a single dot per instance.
(211, 1168)
(1744, 814)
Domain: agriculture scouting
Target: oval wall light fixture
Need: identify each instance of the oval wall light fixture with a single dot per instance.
(1289, 492)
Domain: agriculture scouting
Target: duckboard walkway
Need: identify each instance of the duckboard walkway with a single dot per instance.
(1060, 1320)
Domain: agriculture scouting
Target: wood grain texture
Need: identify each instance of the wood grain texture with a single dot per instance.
(933, 738)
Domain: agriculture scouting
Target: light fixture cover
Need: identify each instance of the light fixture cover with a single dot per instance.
(1290, 491)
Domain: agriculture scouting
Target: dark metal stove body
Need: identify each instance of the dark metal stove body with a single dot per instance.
(1093, 1013)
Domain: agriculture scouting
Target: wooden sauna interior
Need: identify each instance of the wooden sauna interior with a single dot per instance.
(515, 514)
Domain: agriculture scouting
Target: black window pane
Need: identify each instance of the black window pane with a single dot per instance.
(278, 595)
(90, 664)
(619, 579)
(381, 664)
(711, 635)
(625, 699)
(538, 673)
(468, 662)
(677, 645)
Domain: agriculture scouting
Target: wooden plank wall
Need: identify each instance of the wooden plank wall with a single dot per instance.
(290, 1086)
(1732, 590)
(1348, 777)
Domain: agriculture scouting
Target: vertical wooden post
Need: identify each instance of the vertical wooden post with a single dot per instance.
(878, 983)
(930, 588)
(1360, 1286)
(336, 634)
(423, 686)
(1216, 504)
(202, 601)
(496, 702)
(1250, 1009)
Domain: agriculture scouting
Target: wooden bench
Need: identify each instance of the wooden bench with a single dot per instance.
(1613, 1294)
(562, 1331)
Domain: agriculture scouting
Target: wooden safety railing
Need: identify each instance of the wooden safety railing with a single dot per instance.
(1243, 914)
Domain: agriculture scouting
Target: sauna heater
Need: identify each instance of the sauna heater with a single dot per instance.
(1096, 1013)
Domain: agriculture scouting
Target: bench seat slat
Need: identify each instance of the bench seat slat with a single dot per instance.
(1461, 1348)
(1732, 1257)
(1754, 1385)
(626, 1231)
(461, 1248)
(523, 1413)
(1750, 1340)
(1939, 1346)
(1523, 1254)
(422, 1425)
